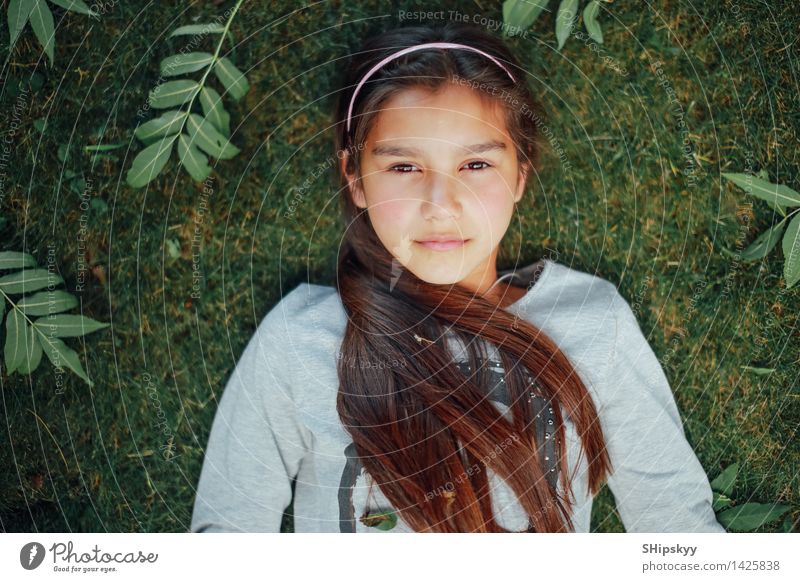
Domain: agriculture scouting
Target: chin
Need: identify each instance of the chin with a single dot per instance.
(441, 275)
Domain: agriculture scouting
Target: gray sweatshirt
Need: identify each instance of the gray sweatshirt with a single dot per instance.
(277, 420)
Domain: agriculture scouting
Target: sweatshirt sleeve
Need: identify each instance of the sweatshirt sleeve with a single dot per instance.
(256, 442)
(657, 481)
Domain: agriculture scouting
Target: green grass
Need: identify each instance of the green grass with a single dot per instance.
(88, 459)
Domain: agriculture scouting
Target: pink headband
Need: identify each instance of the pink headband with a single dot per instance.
(443, 45)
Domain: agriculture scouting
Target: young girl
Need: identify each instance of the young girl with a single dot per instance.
(424, 392)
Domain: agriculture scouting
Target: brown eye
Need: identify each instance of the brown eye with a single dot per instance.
(402, 168)
(487, 165)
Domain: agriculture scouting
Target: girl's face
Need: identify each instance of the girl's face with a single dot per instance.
(441, 166)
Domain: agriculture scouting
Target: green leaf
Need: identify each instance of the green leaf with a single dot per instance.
(383, 520)
(565, 20)
(99, 205)
(32, 352)
(201, 29)
(18, 13)
(181, 64)
(168, 124)
(63, 356)
(725, 480)
(777, 207)
(765, 190)
(521, 14)
(75, 6)
(765, 242)
(720, 501)
(786, 527)
(751, 516)
(150, 161)
(791, 252)
(204, 135)
(78, 185)
(214, 110)
(14, 350)
(42, 24)
(28, 280)
(212, 28)
(16, 260)
(102, 147)
(231, 78)
(759, 371)
(173, 93)
(195, 161)
(173, 248)
(590, 21)
(47, 302)
(36, 81)
(68, 325)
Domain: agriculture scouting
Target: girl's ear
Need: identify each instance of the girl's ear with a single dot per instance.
(522, 180)
(353, 185)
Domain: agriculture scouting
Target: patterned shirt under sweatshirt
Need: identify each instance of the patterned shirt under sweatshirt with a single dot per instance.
(277, 420)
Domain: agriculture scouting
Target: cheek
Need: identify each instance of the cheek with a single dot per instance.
(390, 214)
(391, 204)
(392, 218)
(493, 209)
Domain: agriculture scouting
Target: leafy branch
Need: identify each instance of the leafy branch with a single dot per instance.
(207, 134)
(20, 12)
(747, 516)
(26, 339)
(519, 15)
(780, 198)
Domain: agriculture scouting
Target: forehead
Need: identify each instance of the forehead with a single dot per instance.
(454, 114)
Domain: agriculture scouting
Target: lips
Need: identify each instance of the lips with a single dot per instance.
(442, 242)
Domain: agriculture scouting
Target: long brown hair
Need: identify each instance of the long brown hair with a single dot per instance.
(417, 427)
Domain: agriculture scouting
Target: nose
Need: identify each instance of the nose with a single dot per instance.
(441, 202)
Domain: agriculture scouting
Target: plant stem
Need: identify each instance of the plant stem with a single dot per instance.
(14, 306)
(214, 60)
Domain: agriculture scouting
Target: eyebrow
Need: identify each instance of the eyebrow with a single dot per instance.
(403, 151)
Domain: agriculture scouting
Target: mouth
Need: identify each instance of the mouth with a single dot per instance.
(442, 245)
